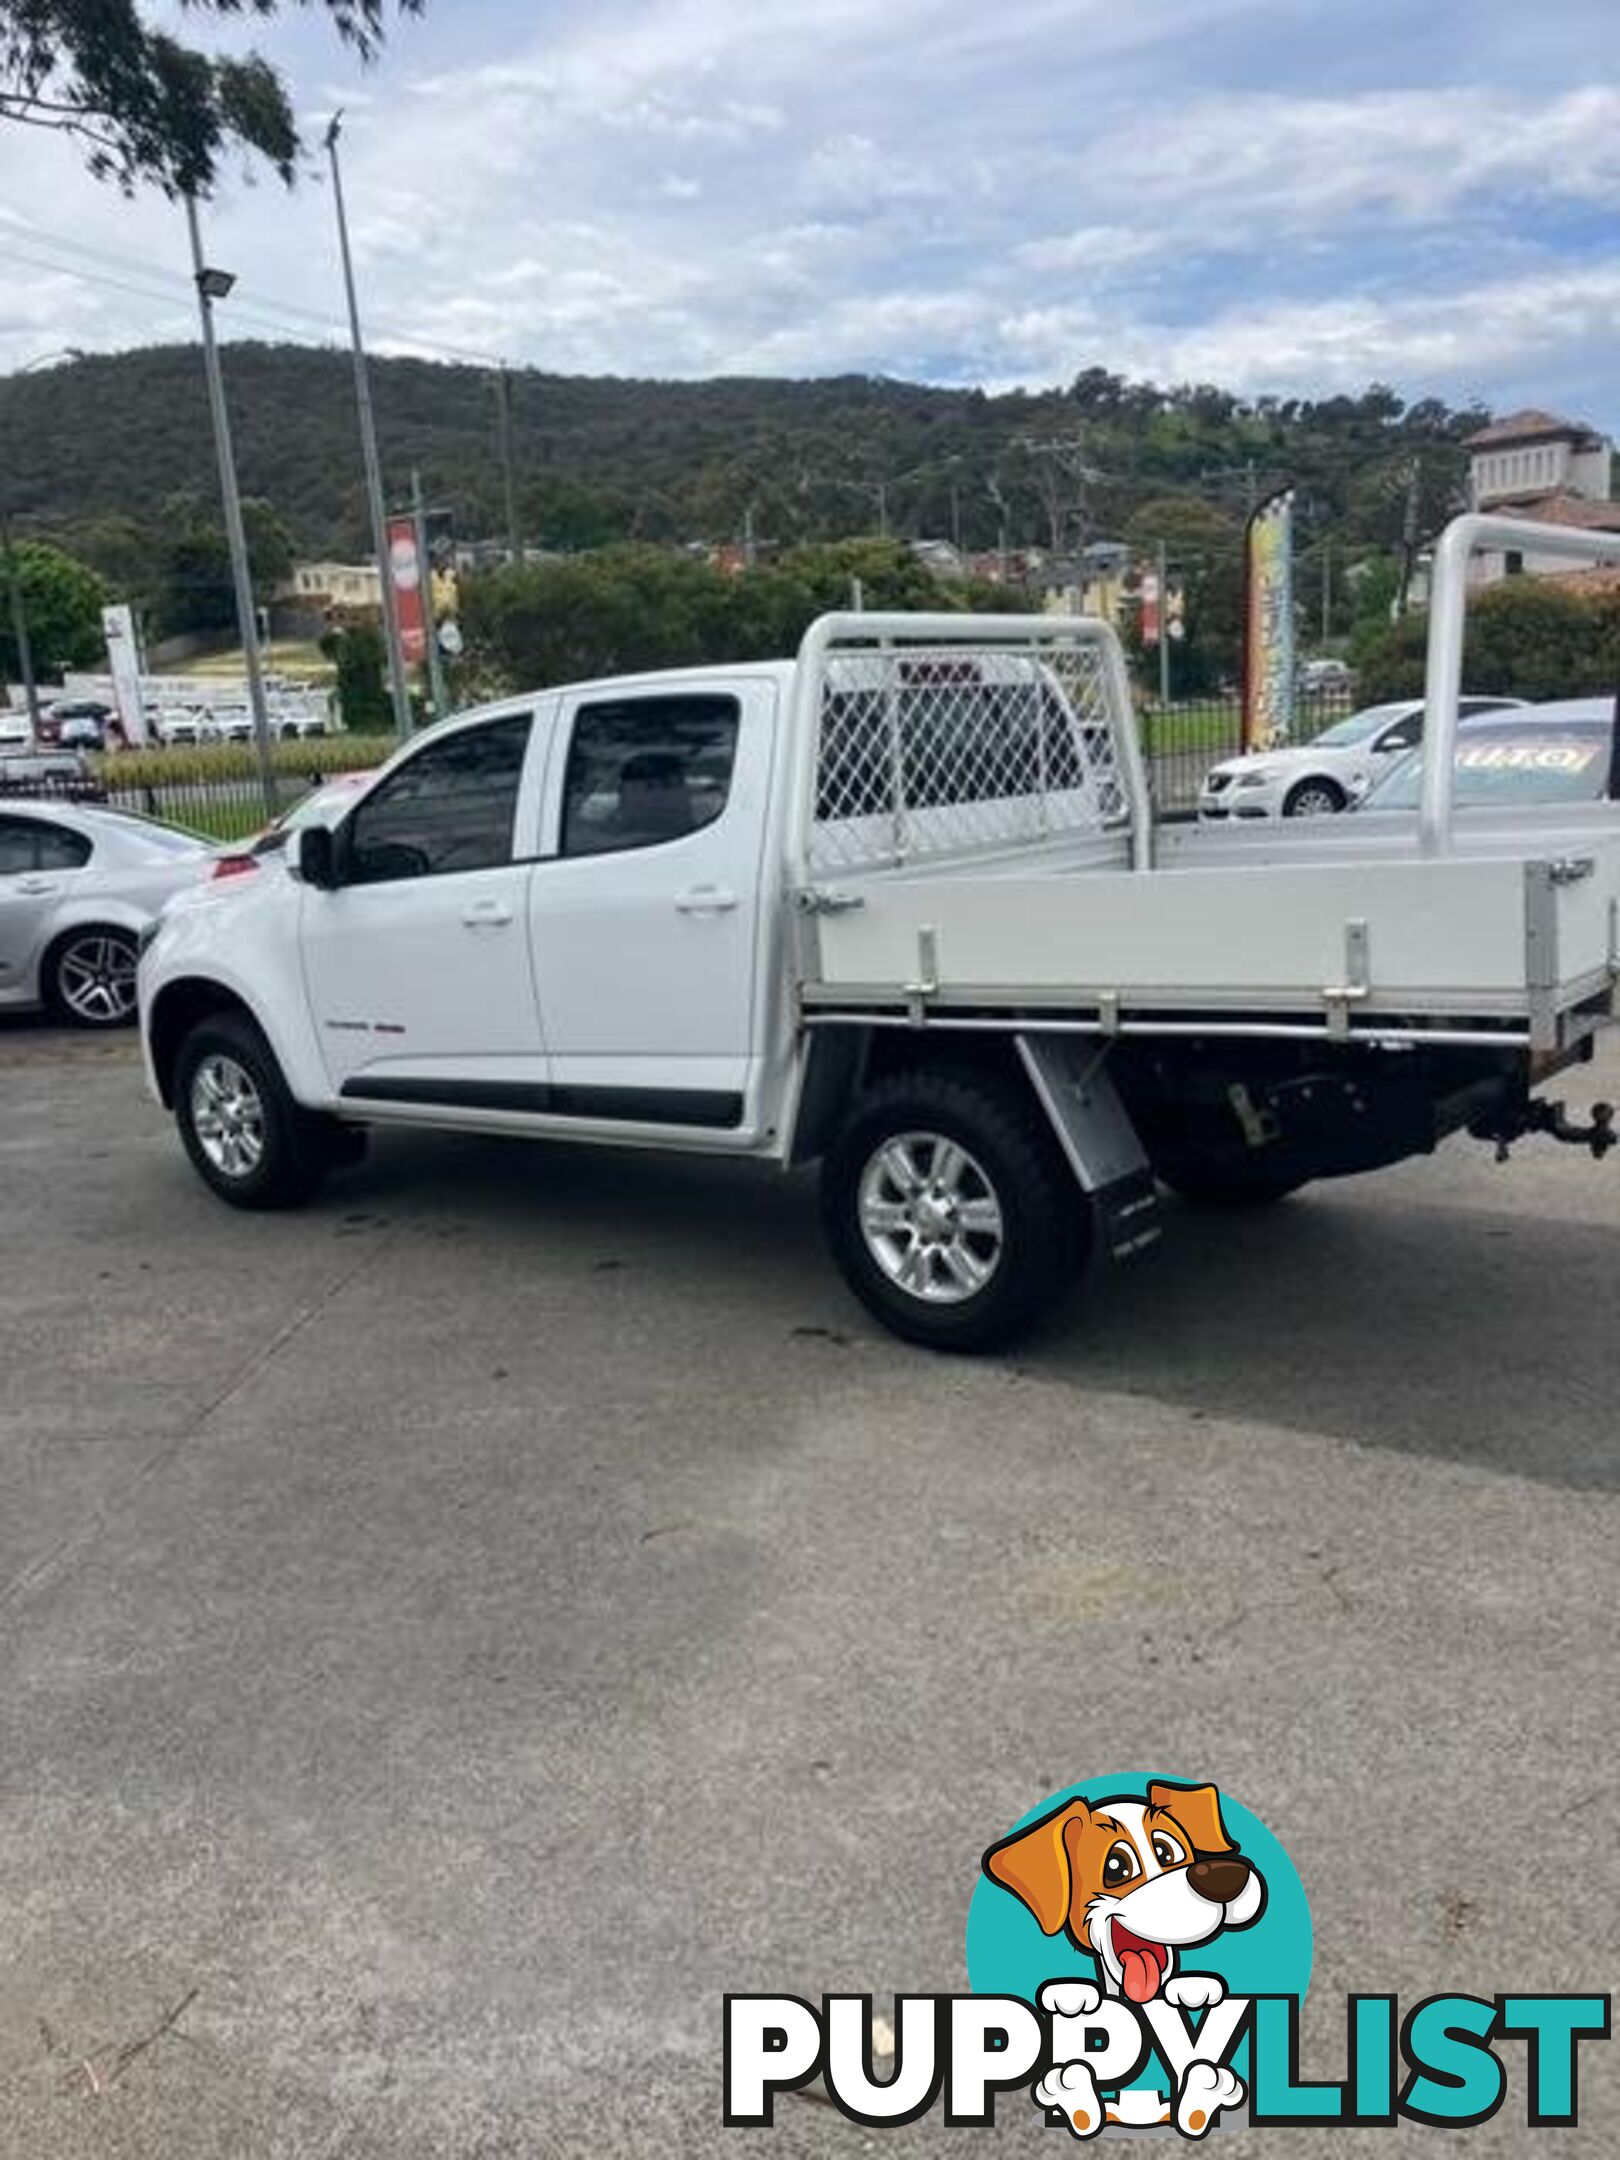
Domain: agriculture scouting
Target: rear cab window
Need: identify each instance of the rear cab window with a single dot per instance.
(643, 771)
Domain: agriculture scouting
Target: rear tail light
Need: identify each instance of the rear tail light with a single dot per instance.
(233, 865)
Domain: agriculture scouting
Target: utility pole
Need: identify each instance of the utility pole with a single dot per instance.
(213, 285)
(1164, 625)
(1409, 531)
(503, 422)
(424, 572)
(750, 544)
(19, 630)
(368, 451)
(1327, 589)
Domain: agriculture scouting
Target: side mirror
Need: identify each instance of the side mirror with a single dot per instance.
(312, 856)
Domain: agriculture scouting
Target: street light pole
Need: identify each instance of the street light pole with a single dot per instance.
(19, 631)
(368, 451)
(213, 285)
(14, 592)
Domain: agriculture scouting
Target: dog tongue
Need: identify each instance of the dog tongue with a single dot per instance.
(1141, 1974)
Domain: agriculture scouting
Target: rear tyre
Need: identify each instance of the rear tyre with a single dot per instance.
(247, 1138)
(89, 977)
(1314, 798)
(950, 1211)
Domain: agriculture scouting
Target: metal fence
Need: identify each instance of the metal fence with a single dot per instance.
(928, 749)
(228, 808)
(1181, 742)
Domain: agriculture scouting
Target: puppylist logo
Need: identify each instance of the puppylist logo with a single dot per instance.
(1138, 1949)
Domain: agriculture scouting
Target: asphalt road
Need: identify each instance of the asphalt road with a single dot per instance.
(453, 1635)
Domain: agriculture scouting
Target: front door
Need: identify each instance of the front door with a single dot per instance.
(417, 968)
(645, 915)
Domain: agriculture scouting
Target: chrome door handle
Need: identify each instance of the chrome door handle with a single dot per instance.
(486, 915)
(36, 885)
(706, 900)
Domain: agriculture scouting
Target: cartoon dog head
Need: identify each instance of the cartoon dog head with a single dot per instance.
(1132, 1880)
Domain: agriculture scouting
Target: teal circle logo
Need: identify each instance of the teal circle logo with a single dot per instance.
(1133, 1883)
(1010, 1953)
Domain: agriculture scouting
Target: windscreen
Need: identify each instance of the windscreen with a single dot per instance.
(1507, 764)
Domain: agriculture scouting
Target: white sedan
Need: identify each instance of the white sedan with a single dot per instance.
(1316, 779)
(78, 886)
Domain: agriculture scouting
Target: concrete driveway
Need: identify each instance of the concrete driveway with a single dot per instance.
(453, 1635)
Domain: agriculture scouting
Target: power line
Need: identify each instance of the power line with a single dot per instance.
(274, 312)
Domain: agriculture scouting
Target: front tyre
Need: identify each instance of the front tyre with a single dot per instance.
(950, 1210)
(246, 1136)
(1314, 798)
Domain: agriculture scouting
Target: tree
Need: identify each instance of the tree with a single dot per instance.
(1523, 636)
(62, 601)
(195, 591)
(356, 652)
(146, 106)
(1204, 553)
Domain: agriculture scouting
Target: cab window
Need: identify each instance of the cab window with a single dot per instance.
(642, 771)
(449, 808)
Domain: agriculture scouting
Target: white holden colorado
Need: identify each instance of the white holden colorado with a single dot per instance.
(900, 907)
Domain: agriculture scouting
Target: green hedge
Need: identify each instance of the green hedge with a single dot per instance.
(199, 764)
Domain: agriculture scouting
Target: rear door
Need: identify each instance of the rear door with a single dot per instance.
(417, 967)
(41, 865)
(645, 916)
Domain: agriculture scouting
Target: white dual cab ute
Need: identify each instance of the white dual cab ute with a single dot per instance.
(900, 907)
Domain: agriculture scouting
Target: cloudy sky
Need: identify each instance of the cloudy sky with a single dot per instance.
(1287, 195)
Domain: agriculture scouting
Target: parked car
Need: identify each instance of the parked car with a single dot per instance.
(879, 908)
(78, 887)
(82, 731)
(56, 773)
(1320, 778)
(1556, 753)
(63, 722)
(179, 726)
(15, 733)
(323, 805)
(1316, 676)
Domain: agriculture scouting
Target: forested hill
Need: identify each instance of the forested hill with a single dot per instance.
(97, 447)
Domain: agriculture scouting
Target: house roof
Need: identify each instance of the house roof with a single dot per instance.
(1530, 425)
(1566, 509)
(1605, 578)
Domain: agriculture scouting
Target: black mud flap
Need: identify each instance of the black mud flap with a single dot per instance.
(1070, 1076)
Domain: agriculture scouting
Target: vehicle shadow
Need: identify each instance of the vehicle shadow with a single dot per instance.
(1469, 1335)
(1365, 1311)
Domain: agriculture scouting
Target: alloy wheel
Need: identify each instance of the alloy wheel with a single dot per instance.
(227, 1115)
(96, 977)
(930, 1217)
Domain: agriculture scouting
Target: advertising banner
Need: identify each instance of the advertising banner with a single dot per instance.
(124, 666)
(406, 567)
(1268, 622)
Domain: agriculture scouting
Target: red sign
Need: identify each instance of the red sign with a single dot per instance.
(405, 568)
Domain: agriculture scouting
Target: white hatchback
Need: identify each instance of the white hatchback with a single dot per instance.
(1317, 779)
(78, 887)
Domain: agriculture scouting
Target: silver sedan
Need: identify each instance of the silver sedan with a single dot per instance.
(77, 888)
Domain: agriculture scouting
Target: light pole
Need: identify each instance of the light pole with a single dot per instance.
(14, 594)
(368, 450)
(213, 285)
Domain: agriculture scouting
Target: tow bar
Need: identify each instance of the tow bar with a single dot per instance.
(1553, 1119)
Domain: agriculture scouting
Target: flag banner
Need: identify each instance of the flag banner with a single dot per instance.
(405, 565)
(1268, 622)
(124, 665)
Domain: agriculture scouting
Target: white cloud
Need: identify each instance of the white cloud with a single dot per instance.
(680, 186)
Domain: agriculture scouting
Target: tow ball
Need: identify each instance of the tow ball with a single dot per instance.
(1598, 1136)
